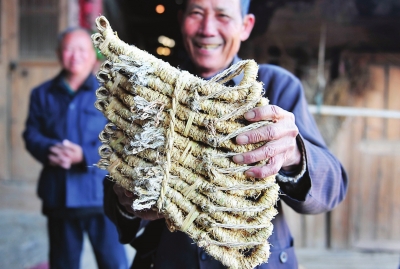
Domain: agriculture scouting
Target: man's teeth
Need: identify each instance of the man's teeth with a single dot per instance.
(209, 46)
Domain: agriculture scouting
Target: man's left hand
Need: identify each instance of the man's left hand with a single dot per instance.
(73, 151)
(281, 148)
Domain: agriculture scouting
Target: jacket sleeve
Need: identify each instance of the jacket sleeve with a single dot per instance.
(324, 183)
(35, 141)
(127, 228)
(91, 142)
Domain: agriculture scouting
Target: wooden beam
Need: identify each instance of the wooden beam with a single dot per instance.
(354, 111)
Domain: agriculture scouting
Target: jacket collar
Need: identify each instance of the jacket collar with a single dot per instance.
(59, 82)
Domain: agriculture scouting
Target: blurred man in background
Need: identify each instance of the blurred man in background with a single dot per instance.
(62, 133)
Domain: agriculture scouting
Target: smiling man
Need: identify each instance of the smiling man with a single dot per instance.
(212, 32)
(311, 179)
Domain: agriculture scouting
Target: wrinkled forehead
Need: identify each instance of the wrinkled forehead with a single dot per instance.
(243, 5)
(75, 36)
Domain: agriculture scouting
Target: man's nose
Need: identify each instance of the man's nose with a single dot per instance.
(208, 26)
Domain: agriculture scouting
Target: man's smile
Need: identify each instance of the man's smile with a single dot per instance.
(206, 46)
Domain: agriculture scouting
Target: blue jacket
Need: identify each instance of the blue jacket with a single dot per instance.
(54, 115)
(322, 187)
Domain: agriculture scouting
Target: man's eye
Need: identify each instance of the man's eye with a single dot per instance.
(195, 12)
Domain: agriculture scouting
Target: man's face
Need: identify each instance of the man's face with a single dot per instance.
(212, 31)
(76, 54)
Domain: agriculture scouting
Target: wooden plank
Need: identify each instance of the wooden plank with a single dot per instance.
(307, 230)
(4, 114)
(63, 15)
(315, 230)
(346, 111)
(380, 147)
(367, 203)
(385, 199)
(375, 98)
(354, 169)
(340, 219)
(8, 53)
(393, 102)
(395, 212)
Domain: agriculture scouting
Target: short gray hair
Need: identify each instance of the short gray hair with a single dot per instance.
(67, 31)
(244, 6)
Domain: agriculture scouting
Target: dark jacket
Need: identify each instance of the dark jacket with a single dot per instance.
(322, 187)
(56, 114)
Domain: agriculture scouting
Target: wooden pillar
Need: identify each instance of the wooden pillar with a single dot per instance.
(8, 57)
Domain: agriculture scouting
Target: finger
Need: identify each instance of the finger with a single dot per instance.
(59, 160)
(268, 112)
(271, 168)
(66, 165)
(265, 152)
(123, 199)
(56, 149)
(71, 145)
(274, 131)
(128, 193)
(53, 160)
(56, 158)
(66, 142)
(65, 161)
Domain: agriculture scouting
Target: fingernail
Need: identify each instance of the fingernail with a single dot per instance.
(242, 139)
(238, 158)
(249, 174)
(250, 115)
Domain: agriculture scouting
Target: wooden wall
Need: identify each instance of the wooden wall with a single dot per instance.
(18, 170)
(369, 149)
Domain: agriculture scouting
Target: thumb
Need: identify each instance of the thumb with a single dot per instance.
(66, 142)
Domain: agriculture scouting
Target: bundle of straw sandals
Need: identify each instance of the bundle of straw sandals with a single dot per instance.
(170, 141)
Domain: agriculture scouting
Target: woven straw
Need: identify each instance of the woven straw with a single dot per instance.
(169, 141)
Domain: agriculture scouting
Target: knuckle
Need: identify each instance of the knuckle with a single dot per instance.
(250, 158)
(269, 151)
(270, 133)
(275, 112)
(291, 116)
(256, 137)
(273, 165)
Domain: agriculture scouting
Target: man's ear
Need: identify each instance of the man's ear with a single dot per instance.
(248, 24)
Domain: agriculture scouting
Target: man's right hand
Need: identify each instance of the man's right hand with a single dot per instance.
(126, 198)
(58, 156)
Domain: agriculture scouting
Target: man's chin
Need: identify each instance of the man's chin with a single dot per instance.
(207, 69)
